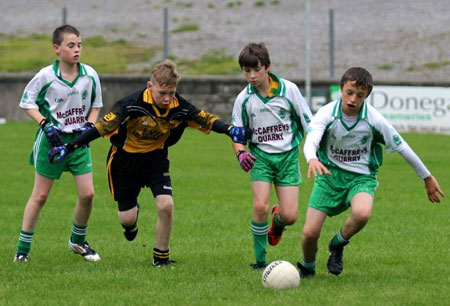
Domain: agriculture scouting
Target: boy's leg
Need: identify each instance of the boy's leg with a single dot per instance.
(259, 226)
(311, 233)
(361, 205)
(163, 229)
(128, 218)
(285, 213)
(39, 195)
(83, 209)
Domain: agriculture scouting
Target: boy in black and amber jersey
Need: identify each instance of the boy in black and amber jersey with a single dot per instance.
(141, 127)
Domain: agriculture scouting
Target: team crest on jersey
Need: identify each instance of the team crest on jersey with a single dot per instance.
(282, 113)
(109, 117)
(307, 119)
(145, 122)
(84, 94)
(25, 97)
(364, 139)
(397, 140)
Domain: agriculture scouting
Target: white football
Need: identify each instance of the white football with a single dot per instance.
(280, 274)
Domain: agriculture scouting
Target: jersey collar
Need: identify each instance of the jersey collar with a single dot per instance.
(276, 87)
(337, 110)
(81, 72)
(147, 98)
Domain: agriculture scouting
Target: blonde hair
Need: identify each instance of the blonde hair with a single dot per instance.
(165, 74)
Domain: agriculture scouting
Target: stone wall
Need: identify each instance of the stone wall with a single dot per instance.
(214, 94)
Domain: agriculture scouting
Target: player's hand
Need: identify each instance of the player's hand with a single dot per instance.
(52, 133)
(57, 154)
(315, 166)
(86, 127)
(246, 160)
(239, 134)
(433, 189)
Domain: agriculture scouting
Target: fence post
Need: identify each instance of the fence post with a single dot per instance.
(166, 34)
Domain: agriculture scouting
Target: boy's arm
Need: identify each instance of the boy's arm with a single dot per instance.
(431, 184)
(315, 133)
(93, 115)
(34, 114)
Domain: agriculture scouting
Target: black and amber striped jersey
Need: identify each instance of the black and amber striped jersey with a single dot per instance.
(136, 125)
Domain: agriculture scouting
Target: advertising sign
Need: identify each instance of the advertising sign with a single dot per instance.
(411, 108)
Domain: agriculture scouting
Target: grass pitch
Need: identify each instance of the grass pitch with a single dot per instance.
(401, 257)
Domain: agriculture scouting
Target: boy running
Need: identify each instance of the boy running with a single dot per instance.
(344, 142)
(277, 115)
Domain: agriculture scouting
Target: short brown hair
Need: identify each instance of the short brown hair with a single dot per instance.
(58, 33)
(361, 77)
(254, 53)
(165, 74)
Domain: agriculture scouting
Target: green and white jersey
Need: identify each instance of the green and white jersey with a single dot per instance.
(353, 148)
(277, 122)
(66, 104)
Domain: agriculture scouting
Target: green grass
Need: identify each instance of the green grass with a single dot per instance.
(105, 56)
(190, 27)
(214, 63)
(400, 258)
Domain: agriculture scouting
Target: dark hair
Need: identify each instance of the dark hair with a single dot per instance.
(58, 33)
(361, 76)
(254, 53)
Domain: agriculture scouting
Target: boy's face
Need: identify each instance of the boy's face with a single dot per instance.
(70, 49)
(352, 98)
(256, 76)
(162, 95)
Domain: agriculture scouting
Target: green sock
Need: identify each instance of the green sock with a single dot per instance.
(278, 222)
(78, 234)
(24, 243)
(260, 230)
(338, 239)
(309, 265)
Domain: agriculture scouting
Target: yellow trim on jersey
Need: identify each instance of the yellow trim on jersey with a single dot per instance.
(147, 97)
(273, 88)
(108, 169)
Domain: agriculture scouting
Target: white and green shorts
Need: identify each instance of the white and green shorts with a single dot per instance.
(333, 193)
(282, 169)
(77, 162)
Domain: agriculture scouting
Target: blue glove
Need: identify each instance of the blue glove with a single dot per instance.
(86, 127)
(239, 134)
(57, 154)
(246, 160)
(52, 133)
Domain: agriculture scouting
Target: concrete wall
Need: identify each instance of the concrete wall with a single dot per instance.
(214, 94)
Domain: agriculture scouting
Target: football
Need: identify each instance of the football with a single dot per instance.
(280, 274)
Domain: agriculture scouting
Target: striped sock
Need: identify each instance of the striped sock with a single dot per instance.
(24, 243)
(160, 256)
(309, 265)
(338, 239)
(78, 234)
(260, 230)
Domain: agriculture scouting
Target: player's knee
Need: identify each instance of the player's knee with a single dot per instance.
(165, 207)
(362, 216)
(261, 208)
(39, 199)
(87, 197)
(289, 218)
(310, 234)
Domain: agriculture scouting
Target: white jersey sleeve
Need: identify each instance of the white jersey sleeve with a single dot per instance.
(97, 100)
(237, 115)
(33, 88)
(391, 138)
(316, 130)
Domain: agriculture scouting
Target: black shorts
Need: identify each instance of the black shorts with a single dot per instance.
(129, 172)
